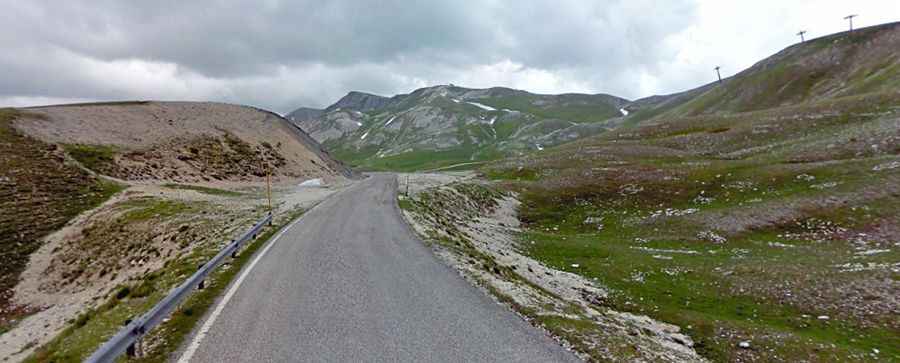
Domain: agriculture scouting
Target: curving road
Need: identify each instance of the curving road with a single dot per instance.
(349, 282)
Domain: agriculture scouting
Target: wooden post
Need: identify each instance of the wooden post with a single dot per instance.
(850, 18)
(269, 187)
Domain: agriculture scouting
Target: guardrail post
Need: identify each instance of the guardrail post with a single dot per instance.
(202, 283)
(234, 253)
(131, 351)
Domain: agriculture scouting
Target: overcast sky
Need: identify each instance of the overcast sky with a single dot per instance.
(284, 54)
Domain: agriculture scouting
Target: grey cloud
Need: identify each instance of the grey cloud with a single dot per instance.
(280, 54)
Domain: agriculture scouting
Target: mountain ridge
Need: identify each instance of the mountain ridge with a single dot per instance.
(443, 125)
(455, 124)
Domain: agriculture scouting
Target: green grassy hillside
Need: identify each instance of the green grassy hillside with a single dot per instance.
(774, 227)
(834, 66)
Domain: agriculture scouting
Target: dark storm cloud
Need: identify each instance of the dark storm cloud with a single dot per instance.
(281, 54)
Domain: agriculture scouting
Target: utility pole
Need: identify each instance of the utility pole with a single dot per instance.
(850, 18)
(718, 75)
(800, 33)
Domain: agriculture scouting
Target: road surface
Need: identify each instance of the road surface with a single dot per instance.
(348, 283)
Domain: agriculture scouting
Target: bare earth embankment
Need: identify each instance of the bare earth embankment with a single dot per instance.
(184, 179)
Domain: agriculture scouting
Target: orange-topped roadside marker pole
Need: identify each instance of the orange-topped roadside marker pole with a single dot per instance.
(269, 186)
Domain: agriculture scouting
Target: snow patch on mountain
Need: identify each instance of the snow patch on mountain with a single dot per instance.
(481, 106)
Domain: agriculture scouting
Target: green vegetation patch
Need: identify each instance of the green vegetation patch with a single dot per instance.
(145, 208)
(581, 112)
(204, 190)
(99, 158)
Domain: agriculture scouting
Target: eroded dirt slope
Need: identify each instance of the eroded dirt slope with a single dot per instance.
(180, 141)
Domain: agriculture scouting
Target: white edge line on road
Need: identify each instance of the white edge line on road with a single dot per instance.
(191, 349)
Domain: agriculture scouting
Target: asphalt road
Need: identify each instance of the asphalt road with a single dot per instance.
(348, 283)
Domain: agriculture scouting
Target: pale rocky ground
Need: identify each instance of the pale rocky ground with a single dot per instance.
(571, 296)
(59, 304)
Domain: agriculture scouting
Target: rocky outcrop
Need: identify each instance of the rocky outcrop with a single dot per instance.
(359, 101)
(303, 114)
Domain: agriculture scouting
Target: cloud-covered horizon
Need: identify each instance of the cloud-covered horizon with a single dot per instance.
(282, 55)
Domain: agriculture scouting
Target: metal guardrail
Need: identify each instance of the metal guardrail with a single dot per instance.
(133, 331)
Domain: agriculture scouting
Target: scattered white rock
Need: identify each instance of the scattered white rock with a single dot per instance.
(630, 189)
(779, 244)
(744, 344)
(711, 236)
(806, 177)
(824, 185)
(593, 220)
(823, 317)
(871, 252)
(672, 212)
(660, 250)
(887, 166)
(870, 266)
(575, 265)
(702, 198)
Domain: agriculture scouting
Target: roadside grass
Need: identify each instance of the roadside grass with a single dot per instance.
(697, 292)
(172, 334)
(405, 203)
(758, 286)
(91, 329)
(204, 190)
